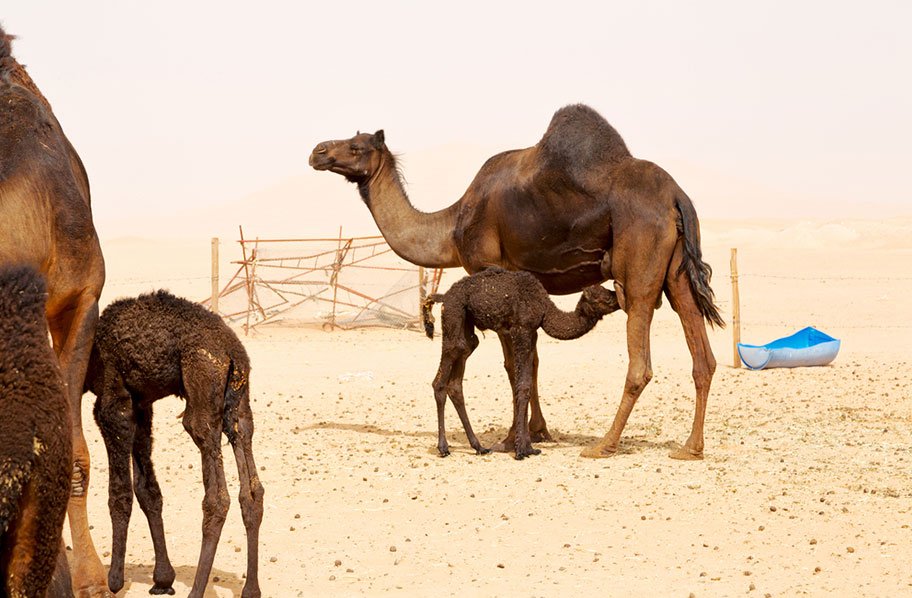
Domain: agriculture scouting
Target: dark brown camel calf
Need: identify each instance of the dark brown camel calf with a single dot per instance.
(514, 305)
(35, 438)
(148, 348)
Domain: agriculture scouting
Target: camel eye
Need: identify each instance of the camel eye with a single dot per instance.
(355, 150)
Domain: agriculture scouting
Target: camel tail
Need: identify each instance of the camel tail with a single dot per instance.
(15, 469)
(427, 316)
(698, 272)
(236, 388)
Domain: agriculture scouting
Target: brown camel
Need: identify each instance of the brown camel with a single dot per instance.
(46, 222)
(516, 305)
(556, 210)
(148, 348)
(36, 450)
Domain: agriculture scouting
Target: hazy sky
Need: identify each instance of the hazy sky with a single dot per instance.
(172, 103)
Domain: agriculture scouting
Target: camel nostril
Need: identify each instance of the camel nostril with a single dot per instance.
(320, 149)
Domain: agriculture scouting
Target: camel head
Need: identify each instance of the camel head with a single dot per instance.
(600, 300)
(357, 159)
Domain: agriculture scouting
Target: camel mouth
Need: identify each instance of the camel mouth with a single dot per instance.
(321, 161)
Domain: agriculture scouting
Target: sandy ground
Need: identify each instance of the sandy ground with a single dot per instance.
(806, 487)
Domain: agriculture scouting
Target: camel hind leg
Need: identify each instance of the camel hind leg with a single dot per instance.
(455, 390)
(704, 363)
(459, 341)
(148, 494)
(203, 421)
(251, 493)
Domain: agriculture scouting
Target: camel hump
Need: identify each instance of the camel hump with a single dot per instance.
(579, 139)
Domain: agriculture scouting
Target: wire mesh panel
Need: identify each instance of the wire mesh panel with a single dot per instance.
(334, 283)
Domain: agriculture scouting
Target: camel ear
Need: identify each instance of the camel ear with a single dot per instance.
(378, 139)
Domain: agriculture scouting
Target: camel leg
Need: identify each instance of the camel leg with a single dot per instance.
(523, 357)
(73, 331)
(203, 421)
(148, 494)
(250, 496)
(704, 363)
(456, 396)
(114, 415)
(441, 383)
(538, 429)
(639, 372)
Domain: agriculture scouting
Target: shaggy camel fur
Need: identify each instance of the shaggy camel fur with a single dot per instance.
(575, 209)
(151, 347)
(513, 304)
(36, 447)
(46, 221)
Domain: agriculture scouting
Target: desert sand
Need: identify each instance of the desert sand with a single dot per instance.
(805, 489)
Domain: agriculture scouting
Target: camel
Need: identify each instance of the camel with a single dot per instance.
(516, 305)
(36, 450)
(576, 209)
(147, 348)
(46, 221)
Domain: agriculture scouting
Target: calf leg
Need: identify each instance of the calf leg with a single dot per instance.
(149, 495)
(523, 382)
(203, 421)
(456, 396)
(114, 415)
(251, 495)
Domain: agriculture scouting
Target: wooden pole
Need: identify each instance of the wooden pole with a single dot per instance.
(736, 309)
(215, 275)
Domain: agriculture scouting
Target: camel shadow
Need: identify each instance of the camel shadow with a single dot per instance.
(366, 429)
(491, 436)
(627, 445)
(184, 574)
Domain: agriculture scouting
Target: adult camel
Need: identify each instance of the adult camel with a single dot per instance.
(575, 209)
(46, 221)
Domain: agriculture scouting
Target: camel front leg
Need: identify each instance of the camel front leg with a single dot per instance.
(73, 330)
(538, 429)
(524, 349)
(114, 416)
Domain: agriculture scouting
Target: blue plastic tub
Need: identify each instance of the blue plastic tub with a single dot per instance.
(804, 348)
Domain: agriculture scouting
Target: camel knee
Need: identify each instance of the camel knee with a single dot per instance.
(637, 381)
(252, 503)
(703, 374)
(215, 508)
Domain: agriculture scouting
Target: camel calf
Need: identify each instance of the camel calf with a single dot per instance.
(36, 446)
(514, 304)
(158, 345)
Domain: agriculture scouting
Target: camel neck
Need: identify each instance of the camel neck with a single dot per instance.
(424, 239)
